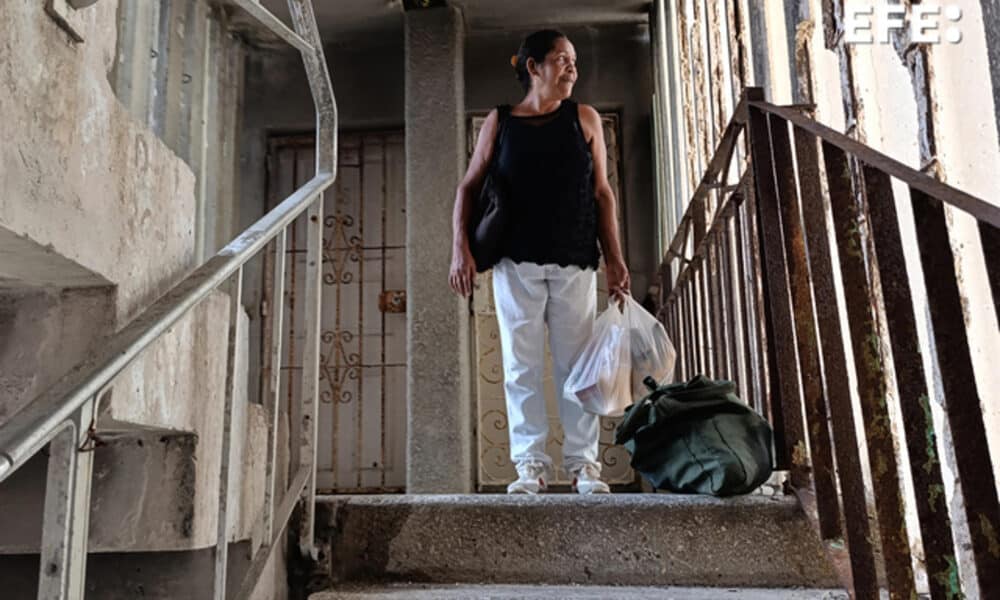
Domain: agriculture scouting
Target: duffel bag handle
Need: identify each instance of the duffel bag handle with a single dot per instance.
(637, 415)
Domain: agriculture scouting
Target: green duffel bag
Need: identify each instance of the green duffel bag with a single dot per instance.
(697, 438)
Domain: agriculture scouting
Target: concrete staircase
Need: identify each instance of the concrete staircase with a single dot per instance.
(155, 494)
(565, 546)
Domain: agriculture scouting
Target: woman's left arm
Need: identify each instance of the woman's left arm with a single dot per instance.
(607, 212)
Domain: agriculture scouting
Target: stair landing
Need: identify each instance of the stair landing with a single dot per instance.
(552, 592)
(565, 539)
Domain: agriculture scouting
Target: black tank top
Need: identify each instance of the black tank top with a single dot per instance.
(547, 169)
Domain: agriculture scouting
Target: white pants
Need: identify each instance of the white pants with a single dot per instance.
(528, 297)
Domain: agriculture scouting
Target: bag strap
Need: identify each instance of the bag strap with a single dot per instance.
(638, 414)
(503, 115)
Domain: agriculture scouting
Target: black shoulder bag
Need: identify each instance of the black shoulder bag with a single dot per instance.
(488, 222)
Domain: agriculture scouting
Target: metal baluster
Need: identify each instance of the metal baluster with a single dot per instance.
(65, 528)
(691, 349)
(748, 374)
(848, 219)
(274, 391)
(915, 404)
(222, 523)
(780, 335)
(705, 314)
(309, 399)
(804, 322)
(857, 516)
(963, 398)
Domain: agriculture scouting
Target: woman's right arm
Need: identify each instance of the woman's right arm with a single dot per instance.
(463, 266)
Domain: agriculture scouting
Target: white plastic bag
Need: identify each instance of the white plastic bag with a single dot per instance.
(652, 353)
(601, 379)
(626, 346)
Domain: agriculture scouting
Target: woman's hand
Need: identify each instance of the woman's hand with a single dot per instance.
(618, 278)
(463, 270)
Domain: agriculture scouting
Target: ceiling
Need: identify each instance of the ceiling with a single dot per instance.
(341, 20)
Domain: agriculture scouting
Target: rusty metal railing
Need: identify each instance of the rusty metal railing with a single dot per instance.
(755, 299)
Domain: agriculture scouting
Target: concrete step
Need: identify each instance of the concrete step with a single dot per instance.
(152, 491)
(560, 592)
(156, 477)
(633, 539)
(151, 575)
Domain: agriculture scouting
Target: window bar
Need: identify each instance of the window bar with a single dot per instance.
(915, 408)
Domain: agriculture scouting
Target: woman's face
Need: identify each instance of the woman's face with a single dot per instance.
(557, 74)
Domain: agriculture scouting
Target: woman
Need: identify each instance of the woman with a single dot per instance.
(553, 164)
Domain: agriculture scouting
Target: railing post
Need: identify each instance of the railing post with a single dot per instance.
(66, 521)
(309, 399)
(962, 398)
(222, 522)
(713, 274)
(820, 451)
(857, 517)
(690, 329)
(780, 326)
(848, 218)
(915, 408)
(704, 315)
(729, 303)
(990, 237)
(326, 162)
(765, 375)
(273, 388)
(746, 373)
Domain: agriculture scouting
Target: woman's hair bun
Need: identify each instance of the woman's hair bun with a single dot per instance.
(536, 46)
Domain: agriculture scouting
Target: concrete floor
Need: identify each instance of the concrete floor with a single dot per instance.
(549, 592)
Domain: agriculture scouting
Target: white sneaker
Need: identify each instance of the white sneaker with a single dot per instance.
(531, 479)
(587, 480)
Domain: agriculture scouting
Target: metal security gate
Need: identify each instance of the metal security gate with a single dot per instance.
(362, 412)
(495, 468)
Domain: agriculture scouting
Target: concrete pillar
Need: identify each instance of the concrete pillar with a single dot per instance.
(439, 437)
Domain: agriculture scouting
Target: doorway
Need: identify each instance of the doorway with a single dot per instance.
(361, 447)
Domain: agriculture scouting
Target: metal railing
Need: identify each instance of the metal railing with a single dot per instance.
(755, 300)
(64, 416)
